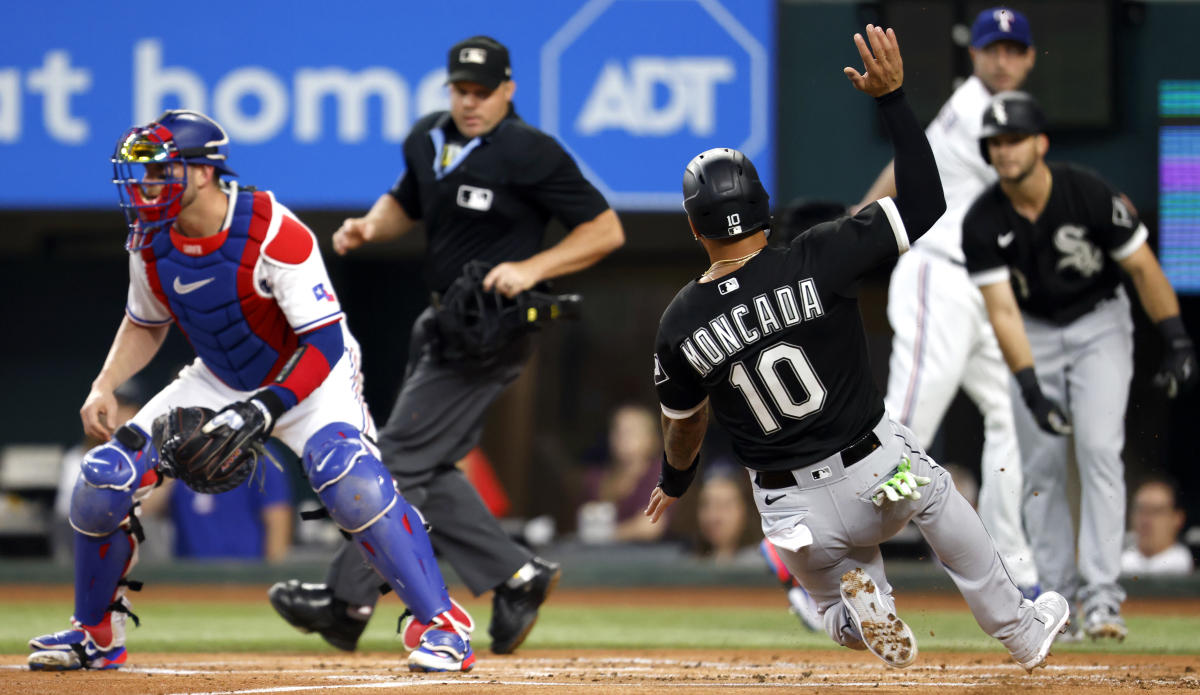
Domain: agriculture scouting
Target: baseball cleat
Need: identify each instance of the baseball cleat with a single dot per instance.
(1053, 613)
(442, 650)
(1105, 623)
(883, 633)
(514, 611)
(412, 629)
(312, 608)
(70, 650)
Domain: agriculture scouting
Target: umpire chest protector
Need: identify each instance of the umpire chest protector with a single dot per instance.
(208, 285)
(488, 198)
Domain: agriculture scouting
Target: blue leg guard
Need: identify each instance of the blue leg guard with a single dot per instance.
(350, 480)
(101, 509)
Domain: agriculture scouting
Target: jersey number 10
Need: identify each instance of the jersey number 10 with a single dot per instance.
(769, 361)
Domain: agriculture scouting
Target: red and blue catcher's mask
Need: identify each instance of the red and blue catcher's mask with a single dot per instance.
(150, 169)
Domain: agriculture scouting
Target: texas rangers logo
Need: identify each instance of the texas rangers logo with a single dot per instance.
(323, 294)
(1078, 253)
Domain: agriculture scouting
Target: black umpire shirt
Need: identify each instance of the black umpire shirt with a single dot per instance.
(778, 347)
(488, 198)
(1065, 263)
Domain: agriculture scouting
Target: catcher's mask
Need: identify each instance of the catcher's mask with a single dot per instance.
(476, 324)
(723, 195)
(150, 168)
(205, 463)
(1010, 112)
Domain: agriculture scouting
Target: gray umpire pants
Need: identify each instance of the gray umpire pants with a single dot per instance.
(437, 419)
(1086, 367)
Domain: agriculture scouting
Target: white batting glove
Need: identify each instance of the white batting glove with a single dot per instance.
(903, 485)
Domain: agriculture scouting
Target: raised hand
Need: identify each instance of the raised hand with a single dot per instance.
(883, 69)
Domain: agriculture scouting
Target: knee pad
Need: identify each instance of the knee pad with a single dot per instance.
(350, 480)
(110, 476)
(348, 477)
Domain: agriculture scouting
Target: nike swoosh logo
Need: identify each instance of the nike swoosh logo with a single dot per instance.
(773, 500)
(185, 287)
(1005, 239)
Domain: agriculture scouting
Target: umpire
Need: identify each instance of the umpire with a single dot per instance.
(485, 183)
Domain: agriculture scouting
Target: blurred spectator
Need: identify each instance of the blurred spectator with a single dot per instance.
(130, 397)
(615, 491)
(250, 522)
(1156, 521)
(721, 517)
(964, 481)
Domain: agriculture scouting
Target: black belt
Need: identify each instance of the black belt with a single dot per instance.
(775, 480)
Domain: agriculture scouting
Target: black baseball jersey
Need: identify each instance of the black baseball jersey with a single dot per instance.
(777, 346)
(1064, 264)
(488, 198)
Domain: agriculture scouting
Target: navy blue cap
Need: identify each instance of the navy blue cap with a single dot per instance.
(1000, 24)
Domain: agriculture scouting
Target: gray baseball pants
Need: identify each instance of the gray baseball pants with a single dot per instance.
(1086, 367)
(826, 527)
(437, 419)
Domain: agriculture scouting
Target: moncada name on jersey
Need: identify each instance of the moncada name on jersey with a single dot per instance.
(744, 325)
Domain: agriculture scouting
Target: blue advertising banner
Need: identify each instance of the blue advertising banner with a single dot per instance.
(317, 97)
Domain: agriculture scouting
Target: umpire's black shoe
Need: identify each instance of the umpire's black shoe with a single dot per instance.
(514, 611)
(312, 608)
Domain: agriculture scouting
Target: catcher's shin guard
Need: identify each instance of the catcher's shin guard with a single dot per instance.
(106, 534)
(345, 471)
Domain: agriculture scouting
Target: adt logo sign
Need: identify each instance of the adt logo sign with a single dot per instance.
(636, 88)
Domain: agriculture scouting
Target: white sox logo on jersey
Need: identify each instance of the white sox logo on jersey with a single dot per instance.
(1078, 253)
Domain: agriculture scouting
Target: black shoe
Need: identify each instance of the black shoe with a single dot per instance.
(312, 608)
(514, 611)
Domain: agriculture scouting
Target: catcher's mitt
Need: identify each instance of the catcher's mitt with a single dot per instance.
(473, 324)
(209, 463)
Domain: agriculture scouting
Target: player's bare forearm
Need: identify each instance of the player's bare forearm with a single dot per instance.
(132, 349)
(1157, 296)
(1005, 316)
(682, 438)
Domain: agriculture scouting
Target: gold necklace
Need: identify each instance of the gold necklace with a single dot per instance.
(717, 265)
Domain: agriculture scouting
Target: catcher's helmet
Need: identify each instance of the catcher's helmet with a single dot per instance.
(177, 136)
(723, 196)
(1010, 112)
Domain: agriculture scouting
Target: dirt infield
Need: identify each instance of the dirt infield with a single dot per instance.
(567, 672)
(570, 672)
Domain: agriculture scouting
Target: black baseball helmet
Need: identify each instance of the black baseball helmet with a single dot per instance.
(1010, 112)
(723, 196)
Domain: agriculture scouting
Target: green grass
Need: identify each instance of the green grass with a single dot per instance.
(254, 627)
